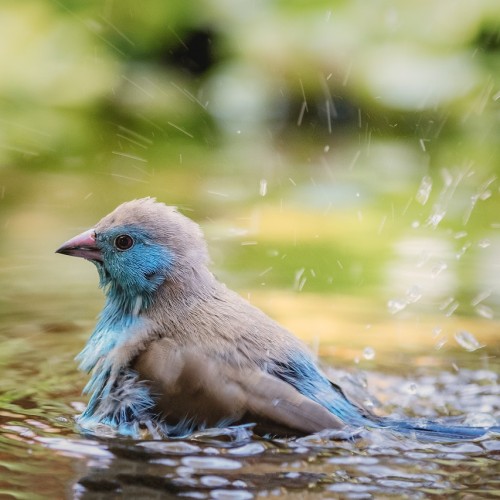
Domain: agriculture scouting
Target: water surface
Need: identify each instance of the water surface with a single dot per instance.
(45, 456)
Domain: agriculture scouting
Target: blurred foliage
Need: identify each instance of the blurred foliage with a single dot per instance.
(74, 72)
(227, 107)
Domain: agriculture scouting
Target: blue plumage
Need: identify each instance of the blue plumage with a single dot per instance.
(303, 374)
(131, 273)
(174, 350)
(129, 279)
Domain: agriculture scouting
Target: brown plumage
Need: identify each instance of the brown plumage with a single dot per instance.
(206, 391)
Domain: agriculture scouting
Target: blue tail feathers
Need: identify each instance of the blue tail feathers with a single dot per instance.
(429, 430)
(308, 380)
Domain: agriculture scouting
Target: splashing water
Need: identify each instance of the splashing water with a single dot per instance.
(484, 311)
(413, 294)
(369, 353)
(467, 341)
(396, 305)
(424, 190)
(235, 463)
(263, 187)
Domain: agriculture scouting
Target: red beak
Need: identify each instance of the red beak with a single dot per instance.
(83, 245)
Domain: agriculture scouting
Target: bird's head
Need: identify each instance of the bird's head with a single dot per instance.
(139, 246)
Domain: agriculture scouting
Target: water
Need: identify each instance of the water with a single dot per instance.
(44, 455)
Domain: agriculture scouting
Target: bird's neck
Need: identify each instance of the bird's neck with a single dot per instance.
(187, 287)
(126, 315)
(120, 318)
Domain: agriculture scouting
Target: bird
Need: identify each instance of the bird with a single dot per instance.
(175, 351)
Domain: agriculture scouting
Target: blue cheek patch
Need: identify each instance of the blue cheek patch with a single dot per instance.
(136, 272)
(144, 268)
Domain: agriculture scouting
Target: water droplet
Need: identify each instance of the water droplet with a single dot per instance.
(396, 305)
(446, 303)
(265, 271)
(467, 340)
(452, 308)
(413, 294)
(447, 177)
(438, 269)
(462, 251)
(299, 281)
(368, 353)
(484, 311)
(484, 243)
(435, 219)
(263, 187)
(210, 450)
(437, 331)
(239, 483)
(485, 195)
(424, 190)
(411, 388)
(440, 344)
(480, 297)
(326, 149)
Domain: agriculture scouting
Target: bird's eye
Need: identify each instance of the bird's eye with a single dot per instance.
(124, 242)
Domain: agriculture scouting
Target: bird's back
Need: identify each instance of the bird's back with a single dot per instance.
(221, 324)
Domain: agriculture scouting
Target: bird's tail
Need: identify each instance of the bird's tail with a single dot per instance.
(419, 428)
(304, 377)
(428, 430)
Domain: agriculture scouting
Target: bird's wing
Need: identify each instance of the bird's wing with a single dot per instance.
(189, 386)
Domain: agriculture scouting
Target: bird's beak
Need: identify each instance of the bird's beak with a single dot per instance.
(83, 245)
